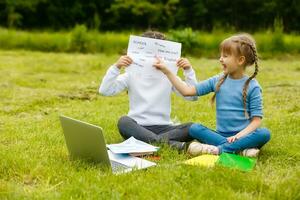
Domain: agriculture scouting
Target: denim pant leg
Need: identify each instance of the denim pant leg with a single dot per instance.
(129, 127)
(178, 133)
(173, 135)
(206, 135)
(256, 139)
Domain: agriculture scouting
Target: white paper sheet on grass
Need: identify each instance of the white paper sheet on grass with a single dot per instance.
(143, 51)
(132, 145)
(130, 161)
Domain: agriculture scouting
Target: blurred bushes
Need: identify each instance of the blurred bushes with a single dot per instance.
(248, 15)
(80, 39)
(196, 43)
(188, 38)
(277, 39)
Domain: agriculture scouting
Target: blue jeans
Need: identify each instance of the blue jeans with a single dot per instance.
(256, 139)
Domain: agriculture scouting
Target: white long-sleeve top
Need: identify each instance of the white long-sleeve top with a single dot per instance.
(149, 97)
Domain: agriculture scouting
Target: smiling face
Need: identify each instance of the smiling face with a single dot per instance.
(229, 63)
(232, 62)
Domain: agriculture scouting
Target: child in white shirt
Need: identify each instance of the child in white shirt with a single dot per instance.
(149, 102)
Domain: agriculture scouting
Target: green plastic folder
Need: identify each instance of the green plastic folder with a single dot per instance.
(236, 161)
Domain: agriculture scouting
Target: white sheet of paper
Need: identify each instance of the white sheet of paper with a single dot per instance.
(132, 145)
(130, 161)
(143, 52)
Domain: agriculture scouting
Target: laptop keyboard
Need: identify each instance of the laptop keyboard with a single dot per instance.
(116, 166)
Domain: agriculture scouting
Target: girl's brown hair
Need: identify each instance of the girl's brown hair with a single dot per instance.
(240, 45)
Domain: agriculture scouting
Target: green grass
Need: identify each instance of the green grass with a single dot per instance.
(37, 87)
(195, 42)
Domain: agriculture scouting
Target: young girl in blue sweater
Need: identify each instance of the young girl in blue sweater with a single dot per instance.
(238, 102)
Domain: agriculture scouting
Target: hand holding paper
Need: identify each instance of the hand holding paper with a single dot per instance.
(123, 61)
(160, 65)
(143, 52)
(184, 63)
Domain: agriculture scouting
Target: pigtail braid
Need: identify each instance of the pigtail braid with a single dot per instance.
(220, 82)
(245, 88)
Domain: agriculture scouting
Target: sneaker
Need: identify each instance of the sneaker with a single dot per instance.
(253, 152)
(197, 148)
(180, 146)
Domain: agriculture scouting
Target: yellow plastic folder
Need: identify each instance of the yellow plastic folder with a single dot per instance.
(225, 159)
(203, 160)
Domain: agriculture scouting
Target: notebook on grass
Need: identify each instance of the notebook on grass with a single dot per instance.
(236, 161)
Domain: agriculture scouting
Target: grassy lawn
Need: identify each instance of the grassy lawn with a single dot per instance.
(37, 87)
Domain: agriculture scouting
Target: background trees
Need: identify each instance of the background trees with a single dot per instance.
(247, 15)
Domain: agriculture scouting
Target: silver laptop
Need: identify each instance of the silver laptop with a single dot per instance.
(85, 141)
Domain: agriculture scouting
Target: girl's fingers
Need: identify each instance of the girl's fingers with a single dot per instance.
(158, 65)
(157, 58)
(231, 139)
